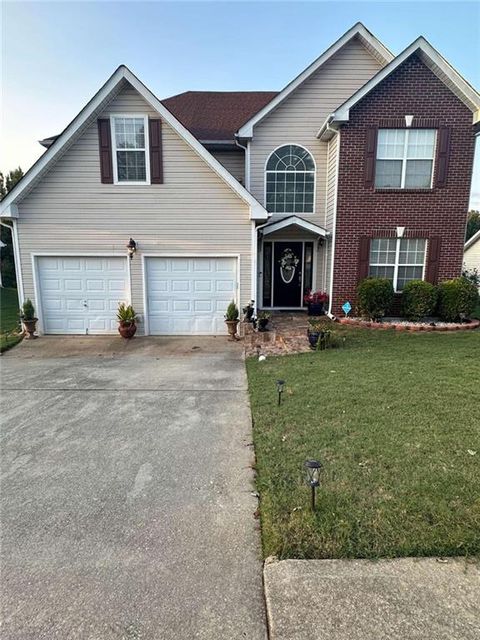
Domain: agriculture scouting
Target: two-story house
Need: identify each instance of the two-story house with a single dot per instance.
(361, 165)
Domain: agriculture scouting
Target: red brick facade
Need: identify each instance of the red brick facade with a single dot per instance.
(438, 212)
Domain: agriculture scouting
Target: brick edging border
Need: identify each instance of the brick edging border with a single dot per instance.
(454, 326)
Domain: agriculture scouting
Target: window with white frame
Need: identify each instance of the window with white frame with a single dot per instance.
(290, 180)
(405, 158)
(397, 259)
(130, 148)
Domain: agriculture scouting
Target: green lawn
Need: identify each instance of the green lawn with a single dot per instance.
(8, 318)
(395, 420)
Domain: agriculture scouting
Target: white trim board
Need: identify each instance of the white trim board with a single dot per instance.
(87, 116)
(358, 30)
(471, 241)
(294, 221)
(435, 62)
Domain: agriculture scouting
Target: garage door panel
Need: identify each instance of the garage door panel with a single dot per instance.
(191, 295)
(84, 294)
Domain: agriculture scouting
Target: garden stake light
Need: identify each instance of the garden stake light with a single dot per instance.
(280, 385)
(313, 477)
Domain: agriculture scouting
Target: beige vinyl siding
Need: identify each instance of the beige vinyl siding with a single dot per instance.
(298, 119)
(193, 212)
(233, 161)
(333, 149)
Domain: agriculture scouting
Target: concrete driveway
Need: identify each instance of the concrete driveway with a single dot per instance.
(127, 510)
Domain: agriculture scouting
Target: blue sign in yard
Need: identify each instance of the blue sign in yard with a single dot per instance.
(347, 307)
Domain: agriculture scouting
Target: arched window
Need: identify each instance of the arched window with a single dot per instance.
(290, 180)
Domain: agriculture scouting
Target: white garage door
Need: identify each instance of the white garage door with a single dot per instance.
(189, 296)
(81, 294)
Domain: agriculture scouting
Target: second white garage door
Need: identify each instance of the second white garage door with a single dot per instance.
(189, 296)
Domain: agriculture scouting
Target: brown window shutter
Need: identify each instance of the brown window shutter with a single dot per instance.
(363, 258)
(431, 273)
(443, 155)
(105, 149)
(370, 156)
(156, 159)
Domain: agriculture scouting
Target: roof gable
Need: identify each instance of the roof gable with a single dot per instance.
(89, 113)
(471, 241)
(372, 44)
(433, 60)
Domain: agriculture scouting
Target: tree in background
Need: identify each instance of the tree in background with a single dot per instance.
(473, 224)
(7, 264)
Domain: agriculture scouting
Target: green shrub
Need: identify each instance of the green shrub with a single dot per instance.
(457, 299)
(232, 311)
(126, 313)
(27, 312)
(419, 299)
(374, 297)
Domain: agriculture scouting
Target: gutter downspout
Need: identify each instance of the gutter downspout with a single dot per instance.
(16, 259)
(334, 230)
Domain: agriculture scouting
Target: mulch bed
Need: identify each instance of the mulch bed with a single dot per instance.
(405, 325)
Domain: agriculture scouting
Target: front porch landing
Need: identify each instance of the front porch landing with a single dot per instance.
(287, 334)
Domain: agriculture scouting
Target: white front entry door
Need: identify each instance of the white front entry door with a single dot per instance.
(189, 296)
(80, 295)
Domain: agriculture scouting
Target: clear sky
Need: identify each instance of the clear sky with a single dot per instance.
(55, 55)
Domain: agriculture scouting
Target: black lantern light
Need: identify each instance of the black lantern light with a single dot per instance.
(280, 386)
(313, 477)
(131, 248)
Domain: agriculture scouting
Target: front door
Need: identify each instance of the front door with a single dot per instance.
(287, 274)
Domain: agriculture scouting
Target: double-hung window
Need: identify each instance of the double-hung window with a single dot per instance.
(405, 158)
(397, 259)
(130, 150)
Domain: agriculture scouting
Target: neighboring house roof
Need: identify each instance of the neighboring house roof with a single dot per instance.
(376, 48)
(88, 115)
(214, 116)
(211, 116)
(433, 60)
(471, 241)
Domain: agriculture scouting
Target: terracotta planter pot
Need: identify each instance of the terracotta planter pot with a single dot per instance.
(232, 328)
(30, 328)
(127, 329)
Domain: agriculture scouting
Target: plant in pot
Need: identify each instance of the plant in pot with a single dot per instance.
(315, 301)
(27, 316)
(263, 320)
(231, 320)
(315, 332)
(126, 320)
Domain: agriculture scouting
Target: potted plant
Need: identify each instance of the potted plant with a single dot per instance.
(27, 315)
(126, 320)
(315, 332)
(263, 320)
(315, 301)
(231, 319)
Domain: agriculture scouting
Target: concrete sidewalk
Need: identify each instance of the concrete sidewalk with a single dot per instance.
(403, 599)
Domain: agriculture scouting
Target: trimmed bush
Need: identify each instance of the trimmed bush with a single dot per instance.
(457, 299)
(374, 297)
(419, 299)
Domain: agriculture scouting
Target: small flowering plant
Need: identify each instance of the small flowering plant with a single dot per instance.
(315, 297)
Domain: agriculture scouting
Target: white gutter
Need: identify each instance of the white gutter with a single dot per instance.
(334, 230)
(247, 161)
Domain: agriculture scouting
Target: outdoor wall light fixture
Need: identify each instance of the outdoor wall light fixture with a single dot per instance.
(313, 477)
(131, 248)
(280, 386)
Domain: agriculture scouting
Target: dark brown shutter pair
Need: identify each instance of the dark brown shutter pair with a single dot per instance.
(443, 155)
(155, 144)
